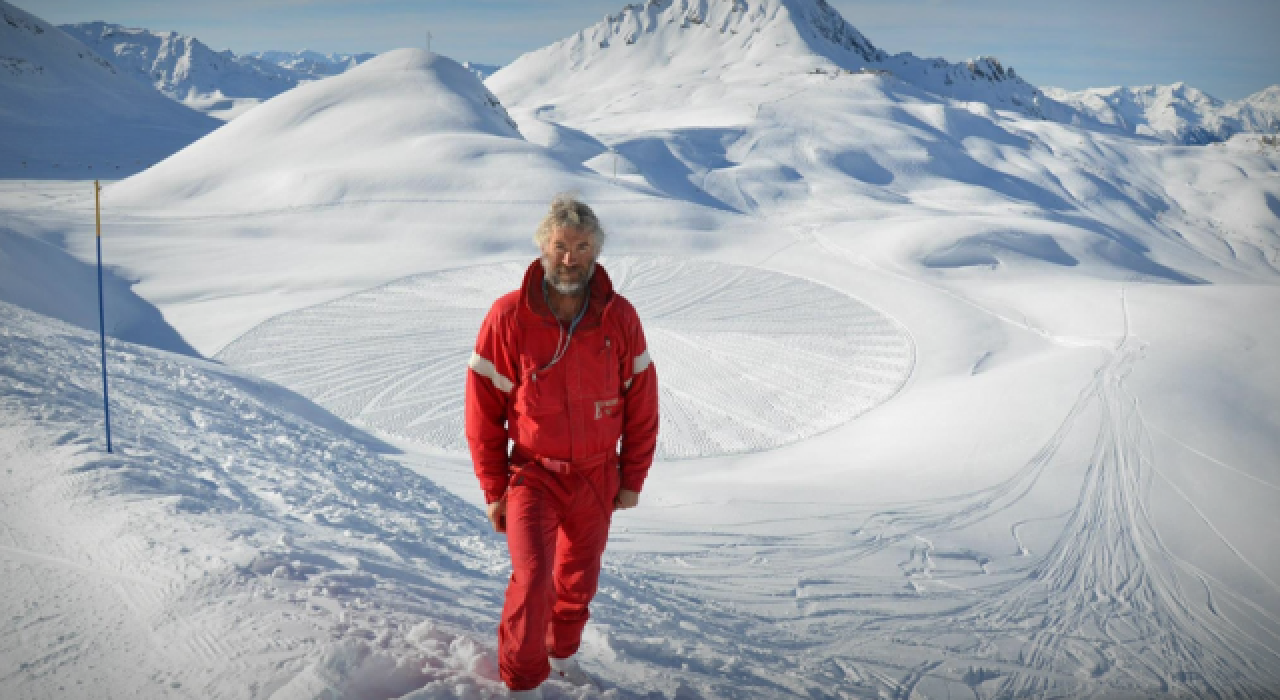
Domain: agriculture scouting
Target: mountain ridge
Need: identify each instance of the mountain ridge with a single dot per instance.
(778, 36)
(1176, 113)
(222, 84)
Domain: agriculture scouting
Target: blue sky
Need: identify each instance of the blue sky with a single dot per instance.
(1227, 48)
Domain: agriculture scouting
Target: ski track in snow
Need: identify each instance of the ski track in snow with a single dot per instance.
(750, 359)
(1104, 609)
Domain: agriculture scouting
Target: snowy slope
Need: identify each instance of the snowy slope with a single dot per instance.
(67, 112)
(389, 129)
(1176, 113)
(347, 574)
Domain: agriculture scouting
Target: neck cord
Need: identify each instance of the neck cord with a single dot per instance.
(560, 351)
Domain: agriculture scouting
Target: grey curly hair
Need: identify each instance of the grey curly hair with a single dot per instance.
(567, 211)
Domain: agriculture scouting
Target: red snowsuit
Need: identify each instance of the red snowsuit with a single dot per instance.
(565, 466)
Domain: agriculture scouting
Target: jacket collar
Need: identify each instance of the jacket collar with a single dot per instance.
(599, 295)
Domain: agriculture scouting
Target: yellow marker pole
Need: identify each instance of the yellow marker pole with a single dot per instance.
(102, 316)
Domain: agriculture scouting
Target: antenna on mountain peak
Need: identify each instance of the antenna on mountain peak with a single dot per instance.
(428, 41)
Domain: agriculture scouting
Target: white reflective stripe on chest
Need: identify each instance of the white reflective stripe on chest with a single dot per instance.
(485, 369)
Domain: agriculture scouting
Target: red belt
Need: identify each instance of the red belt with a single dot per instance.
(560, 466)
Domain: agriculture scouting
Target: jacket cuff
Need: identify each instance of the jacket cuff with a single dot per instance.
(632, 481)
(494, 495)
(494, 486)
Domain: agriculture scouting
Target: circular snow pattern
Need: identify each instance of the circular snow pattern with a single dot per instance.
(747, 359)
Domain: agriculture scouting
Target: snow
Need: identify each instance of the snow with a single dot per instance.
(1066, 485)
(69, 113)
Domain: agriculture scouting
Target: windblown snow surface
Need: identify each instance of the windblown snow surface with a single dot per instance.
(959, 401)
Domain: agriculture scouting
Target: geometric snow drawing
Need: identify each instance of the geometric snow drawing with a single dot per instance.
(748, 359)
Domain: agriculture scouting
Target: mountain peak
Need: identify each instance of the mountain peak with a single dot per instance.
(679, 42)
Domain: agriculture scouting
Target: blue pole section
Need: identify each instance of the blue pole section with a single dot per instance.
(102, 316)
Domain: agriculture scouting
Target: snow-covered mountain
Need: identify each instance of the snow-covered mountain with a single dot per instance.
(675, 42)
(1176, 113)
(180, 65)
(313, 63)
(67, 112)
(219, 83)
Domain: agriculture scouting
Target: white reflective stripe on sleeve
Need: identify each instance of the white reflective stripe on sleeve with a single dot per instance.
(641, 363)
(485, 369)
(626, 385)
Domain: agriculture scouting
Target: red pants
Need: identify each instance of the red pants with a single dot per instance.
(557, 527)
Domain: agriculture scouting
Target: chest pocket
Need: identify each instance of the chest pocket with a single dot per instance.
(541, 393)
(600, 374)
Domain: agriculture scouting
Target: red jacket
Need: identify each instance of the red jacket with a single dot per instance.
(603, 389)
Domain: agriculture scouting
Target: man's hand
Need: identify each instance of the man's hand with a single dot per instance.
(626, 499)
(497, 512)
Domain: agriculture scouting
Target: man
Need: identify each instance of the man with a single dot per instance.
(562, 371)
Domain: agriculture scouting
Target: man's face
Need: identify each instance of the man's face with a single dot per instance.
(569, 258)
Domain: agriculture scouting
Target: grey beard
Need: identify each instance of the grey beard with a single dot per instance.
(567, 288)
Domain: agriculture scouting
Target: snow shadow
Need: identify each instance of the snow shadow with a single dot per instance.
(986, 249)
(861, 166)
(572, 146)
(44, 278)
(664, 162)
(1126, 251)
